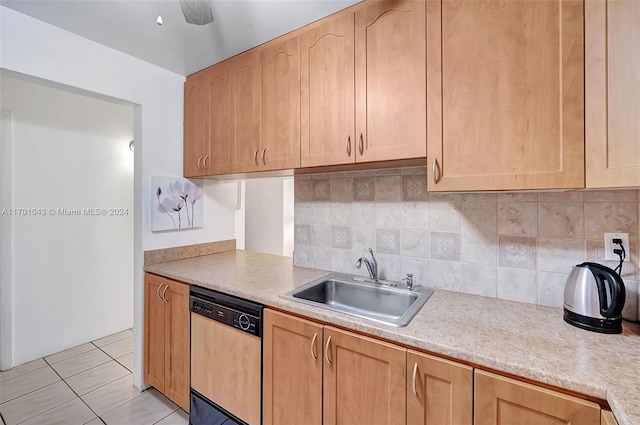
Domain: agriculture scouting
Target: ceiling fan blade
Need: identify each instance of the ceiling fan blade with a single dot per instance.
(196, 12)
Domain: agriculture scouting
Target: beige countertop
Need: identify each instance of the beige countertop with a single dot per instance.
(521, 339)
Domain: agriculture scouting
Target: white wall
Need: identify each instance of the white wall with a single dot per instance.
(68, 152)
(269, 215)
(37, 49)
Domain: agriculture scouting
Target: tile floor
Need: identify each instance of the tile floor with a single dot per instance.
(90, 384)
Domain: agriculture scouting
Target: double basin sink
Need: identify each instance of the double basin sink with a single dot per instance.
(387, 302)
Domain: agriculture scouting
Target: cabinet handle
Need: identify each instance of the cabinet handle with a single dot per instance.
(263, 152)
(199, 165)
(326, 350)
(158, 290)
(360, 145)
(413, 379)
(436, 171)
(163, 294)
(204, 163)
(313, 346)
(348, 145)
(255, 157)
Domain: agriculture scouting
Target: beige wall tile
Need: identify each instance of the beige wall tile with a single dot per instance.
(414, 215)
(342, 189)
(551, 288)
(364, 213)
(518, 218)
(517, 252)
(560, 255)
(445, 246)
(302, 234)
(303, 213)
(321, 235)
(342, 214)
(444, 213)
(418, 267)
(480, 280)
(561, 220)
(480, 217)
(414, 243)
(388, 214)
(364, 189)
(303, 189)
(388, 241)
(446, 275)
(480, 248)
(321, 258)
(341, 261)
(610, 217)
(363, 238)
(388, 188)
(610, 196)
(568, 196)
(518, 197)
(595, 254)
(414, 188)
(630, 311)
(479, 197)
(303, 255)
(341, 237)
(389, 267)
(321, 213)
(518, 285)
(321, 189)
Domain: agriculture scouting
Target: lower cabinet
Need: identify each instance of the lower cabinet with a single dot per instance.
(316, 374)
(504, 401)
(439, 391)
(607, 418)
(166, 337)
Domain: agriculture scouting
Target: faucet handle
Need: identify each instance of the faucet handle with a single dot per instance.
(409, 280)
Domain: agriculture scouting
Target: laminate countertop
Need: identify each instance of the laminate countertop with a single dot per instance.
(521, 339)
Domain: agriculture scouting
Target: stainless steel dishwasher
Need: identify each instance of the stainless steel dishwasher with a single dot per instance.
(226, 359)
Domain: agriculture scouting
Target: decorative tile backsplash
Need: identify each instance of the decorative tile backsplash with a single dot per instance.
(514, 245)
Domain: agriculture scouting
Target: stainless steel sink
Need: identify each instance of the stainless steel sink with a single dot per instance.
(387, 302)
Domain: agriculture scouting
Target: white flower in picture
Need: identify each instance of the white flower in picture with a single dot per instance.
(177, 203)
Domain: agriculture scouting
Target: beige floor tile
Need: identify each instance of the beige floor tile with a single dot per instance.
(147, 409)
(80, 363)
(126, 361)
(37, 402)
(119, 348)
(71, 352)
(111, 395)
(179, 417)
(96, 377)
(22, 369)
(74, 412)
(23, 384)
(113, 338)
(96, 421)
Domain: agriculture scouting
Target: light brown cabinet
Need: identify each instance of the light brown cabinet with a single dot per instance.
(607, 418)
(505, 93)
(280, 105)
(245, 111)
(166, 337)
(292, 370)
(207, 122)
(439, 391)
(363, 86)
(363, 381)
(612, 74)
(504, 401)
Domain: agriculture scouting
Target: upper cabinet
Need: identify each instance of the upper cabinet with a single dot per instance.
(612, 55)
(206, 122)
(245, 111)
(327, 118)
(280, 103)
(363, 86)
(390, 81)
(505, 90)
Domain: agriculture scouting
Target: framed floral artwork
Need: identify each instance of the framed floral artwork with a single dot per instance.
(177, 203)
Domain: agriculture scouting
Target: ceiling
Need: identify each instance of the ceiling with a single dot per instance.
(130, 26)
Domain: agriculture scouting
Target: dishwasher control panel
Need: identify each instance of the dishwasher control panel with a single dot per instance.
(235, 312)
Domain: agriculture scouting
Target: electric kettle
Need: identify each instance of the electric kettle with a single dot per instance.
(593, 298)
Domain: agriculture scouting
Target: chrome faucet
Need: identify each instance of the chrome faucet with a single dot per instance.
(372, 266)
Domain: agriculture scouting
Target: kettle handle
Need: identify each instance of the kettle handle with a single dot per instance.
(618, 295)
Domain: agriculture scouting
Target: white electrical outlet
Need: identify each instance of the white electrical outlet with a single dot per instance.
(609, 246)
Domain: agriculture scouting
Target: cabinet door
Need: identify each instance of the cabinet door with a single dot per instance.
(364, 380)
(390, 81)
(176, 347)
(505, 84)
(327, 94)
(612, 37)
(292, 371)
(439, 392)
(504, 401)
(245, 112)
(154, 331)
(607, 418)
(196, 123)
(217, 161)
(280, 100)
